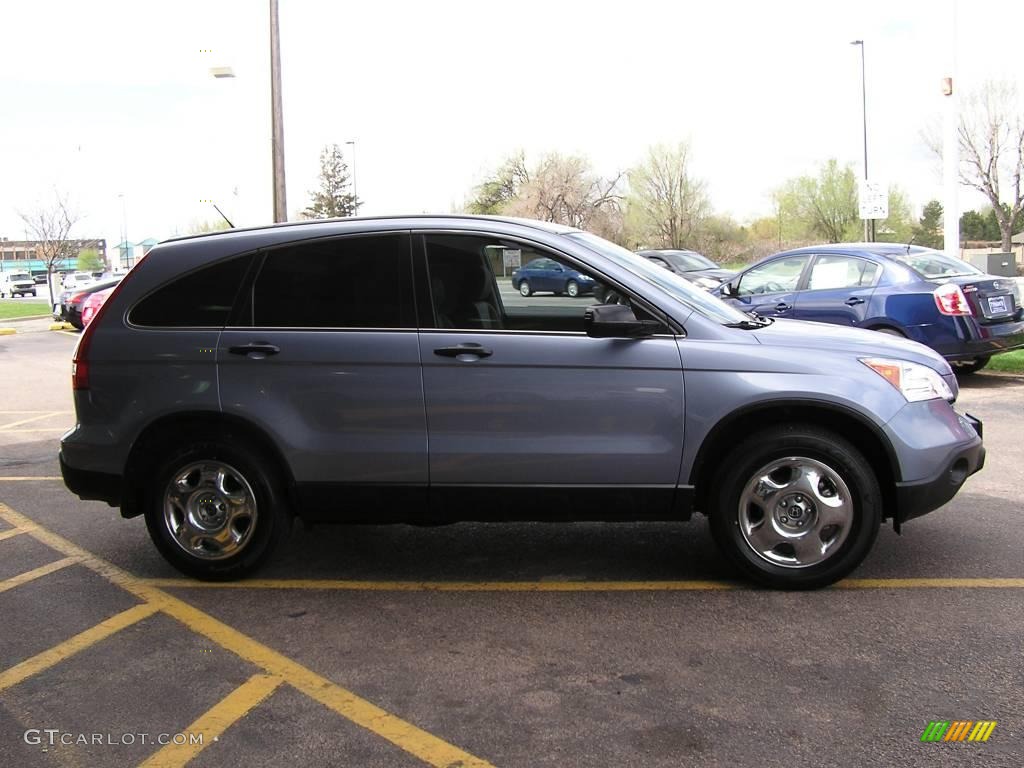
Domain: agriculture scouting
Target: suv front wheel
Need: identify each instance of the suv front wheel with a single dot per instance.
(216, 511)
(796, 507)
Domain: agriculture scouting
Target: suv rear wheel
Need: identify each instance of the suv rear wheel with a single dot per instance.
(217, 511)
(796, 507)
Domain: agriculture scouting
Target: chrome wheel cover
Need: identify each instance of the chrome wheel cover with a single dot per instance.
(210, 510)
(795, 512)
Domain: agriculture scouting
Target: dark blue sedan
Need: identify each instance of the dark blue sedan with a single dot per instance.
(919, 293)
(549, 275)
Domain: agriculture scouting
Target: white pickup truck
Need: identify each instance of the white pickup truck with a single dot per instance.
(16, 284)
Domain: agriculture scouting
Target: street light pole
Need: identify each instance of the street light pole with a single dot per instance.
(864, 113)
(355, 190)
(277, 117)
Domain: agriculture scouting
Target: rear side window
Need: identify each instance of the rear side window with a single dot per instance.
(354, 282)
(200, 299)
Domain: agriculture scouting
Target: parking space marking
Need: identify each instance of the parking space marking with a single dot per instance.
(34, 429)
(35, 573)
(24, 478)
(416, 741)
(45, 415)
(73, 645)
(12, 533)
(568, 586)
(212, 723)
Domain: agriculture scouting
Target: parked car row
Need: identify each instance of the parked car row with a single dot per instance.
(70, 306)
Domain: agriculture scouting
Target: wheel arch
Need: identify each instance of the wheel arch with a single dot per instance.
(866, 436)
(144, 456)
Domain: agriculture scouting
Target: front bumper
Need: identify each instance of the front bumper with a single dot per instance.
(920, 497)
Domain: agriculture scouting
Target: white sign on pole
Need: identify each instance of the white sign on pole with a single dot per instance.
(873, 199)
(512, 257)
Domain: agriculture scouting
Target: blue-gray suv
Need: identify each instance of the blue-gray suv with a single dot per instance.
(388, 371)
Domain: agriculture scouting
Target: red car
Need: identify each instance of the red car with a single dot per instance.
(92, 304)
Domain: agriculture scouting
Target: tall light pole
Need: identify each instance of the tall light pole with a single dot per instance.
(951, 148)
(864, 113)
(276, 117)
(355, 190)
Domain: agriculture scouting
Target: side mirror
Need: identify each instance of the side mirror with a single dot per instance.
(730, 289)
(613, 321)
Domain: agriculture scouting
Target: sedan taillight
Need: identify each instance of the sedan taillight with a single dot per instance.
(951, 300)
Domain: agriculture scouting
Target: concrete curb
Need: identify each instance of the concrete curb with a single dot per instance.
(28, 317)
(8, 331)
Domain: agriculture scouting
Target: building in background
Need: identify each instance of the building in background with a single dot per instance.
(130, 253)
(26, 255)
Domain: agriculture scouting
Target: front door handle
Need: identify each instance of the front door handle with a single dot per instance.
(465, 352)
(782, 307)
(258, 350)
(853, 301)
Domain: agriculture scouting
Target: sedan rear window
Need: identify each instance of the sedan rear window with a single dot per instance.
(933, 265)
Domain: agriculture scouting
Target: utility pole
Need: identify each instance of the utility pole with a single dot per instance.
(355, 190)
(864, 113)
(951, 152)
(277, 117)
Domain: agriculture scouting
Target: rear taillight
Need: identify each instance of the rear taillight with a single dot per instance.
(80, 358)
(951, 300)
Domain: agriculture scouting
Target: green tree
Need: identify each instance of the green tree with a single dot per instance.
(333, 199)
(974, 226)
(494, 194)
(928, 231)
(670, 203)
(824, 205)
(898, 227)
(89, 260)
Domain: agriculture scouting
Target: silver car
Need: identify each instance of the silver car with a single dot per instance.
(386, 371)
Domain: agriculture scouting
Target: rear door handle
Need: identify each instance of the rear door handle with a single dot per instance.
(782, 307)
(258, 350)
(466, 351)
(853, 301)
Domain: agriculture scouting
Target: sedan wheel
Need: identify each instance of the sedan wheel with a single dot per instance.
(525, 289)
(572, 288)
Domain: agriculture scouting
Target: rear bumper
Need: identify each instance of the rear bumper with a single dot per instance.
(917, 498)
(978, 340)
(91, 486)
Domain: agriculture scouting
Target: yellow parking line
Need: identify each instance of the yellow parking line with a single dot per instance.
(12, 533)
(24, 478)
(416, 741)
(48, 414)
(35, 573)
(73, 645)
(564, 586)
(212, 723)
(931, 583)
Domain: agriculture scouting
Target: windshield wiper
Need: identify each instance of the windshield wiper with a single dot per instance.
(752, 324)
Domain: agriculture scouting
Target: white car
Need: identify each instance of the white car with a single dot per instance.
(78, 280)
(16, 284)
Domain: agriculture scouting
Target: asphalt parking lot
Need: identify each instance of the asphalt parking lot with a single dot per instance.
(505, 645)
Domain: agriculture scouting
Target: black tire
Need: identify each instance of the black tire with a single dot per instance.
(966, 369)
(891, 332)
(270, 524)
(524, 288)
(825, 447)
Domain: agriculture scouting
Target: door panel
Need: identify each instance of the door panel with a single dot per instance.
(553, 409)
(839, 290)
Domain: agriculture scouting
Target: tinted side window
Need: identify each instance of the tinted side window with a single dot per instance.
(354, 282)
(200, 299)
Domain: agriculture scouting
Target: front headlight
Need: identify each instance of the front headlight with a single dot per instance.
(916, 382)
(706, 283)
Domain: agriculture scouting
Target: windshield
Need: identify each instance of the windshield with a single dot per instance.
(19, 276)
(688, 262)
(678, 287)
(936, 264)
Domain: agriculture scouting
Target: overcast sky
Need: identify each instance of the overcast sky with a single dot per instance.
(103, 98)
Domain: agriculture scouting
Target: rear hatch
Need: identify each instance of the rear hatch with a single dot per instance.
(992, 299)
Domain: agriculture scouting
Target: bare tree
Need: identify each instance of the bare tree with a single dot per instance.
(671, 202)
(565, 189)
(991, 139)
(50, 225)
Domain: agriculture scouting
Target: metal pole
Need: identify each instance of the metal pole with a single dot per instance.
(951, 154)
(276, 117)
(864, 113)
(355, 189)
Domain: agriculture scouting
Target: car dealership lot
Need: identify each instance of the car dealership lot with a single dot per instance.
(525, 644)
